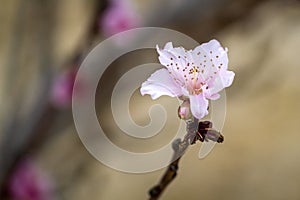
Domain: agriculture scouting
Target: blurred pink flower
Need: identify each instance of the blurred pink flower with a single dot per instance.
(62, 89)
(28, 182)
(119, 16)
(197, 75)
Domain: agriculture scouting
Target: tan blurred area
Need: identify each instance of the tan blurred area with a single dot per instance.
(260, 157)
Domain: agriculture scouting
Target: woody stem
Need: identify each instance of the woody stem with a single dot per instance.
(179, 147)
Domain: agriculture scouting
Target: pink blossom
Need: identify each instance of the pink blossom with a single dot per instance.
(197, 75)
(62, 89)
(119, 16)
(28, 182)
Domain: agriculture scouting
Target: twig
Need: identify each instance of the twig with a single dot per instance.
(195, 131)
(179, 148)
(171, 172)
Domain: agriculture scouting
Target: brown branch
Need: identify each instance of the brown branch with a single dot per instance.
(179, 148)
(195, 132)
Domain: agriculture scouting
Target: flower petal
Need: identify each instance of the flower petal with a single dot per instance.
(216, 53)
(177, 60)
(213, 96)
(224, 79)
(211, 58)
(160, 83)
(199, 105)
(227, 78)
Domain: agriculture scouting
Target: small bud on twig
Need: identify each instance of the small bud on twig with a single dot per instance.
(206, 133)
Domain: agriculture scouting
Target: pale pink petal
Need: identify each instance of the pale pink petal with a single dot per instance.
(211, 58)
(160, 83)
(213, 96)
(168, 46)
(217, 53)
(227, 78)
(180, 63)
(199, 105)
(164, 55)
(174, 59)
(224, 79)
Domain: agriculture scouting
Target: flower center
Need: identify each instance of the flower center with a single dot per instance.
(197, 91)
(195, 85)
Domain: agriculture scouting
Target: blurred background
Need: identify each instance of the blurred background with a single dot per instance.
(42, 44)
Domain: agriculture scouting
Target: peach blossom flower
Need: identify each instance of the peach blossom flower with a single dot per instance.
(198, 75)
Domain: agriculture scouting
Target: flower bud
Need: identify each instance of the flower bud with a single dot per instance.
(184, 111)
(214, 135)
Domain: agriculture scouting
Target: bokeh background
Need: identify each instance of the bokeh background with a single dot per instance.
(42, 43)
